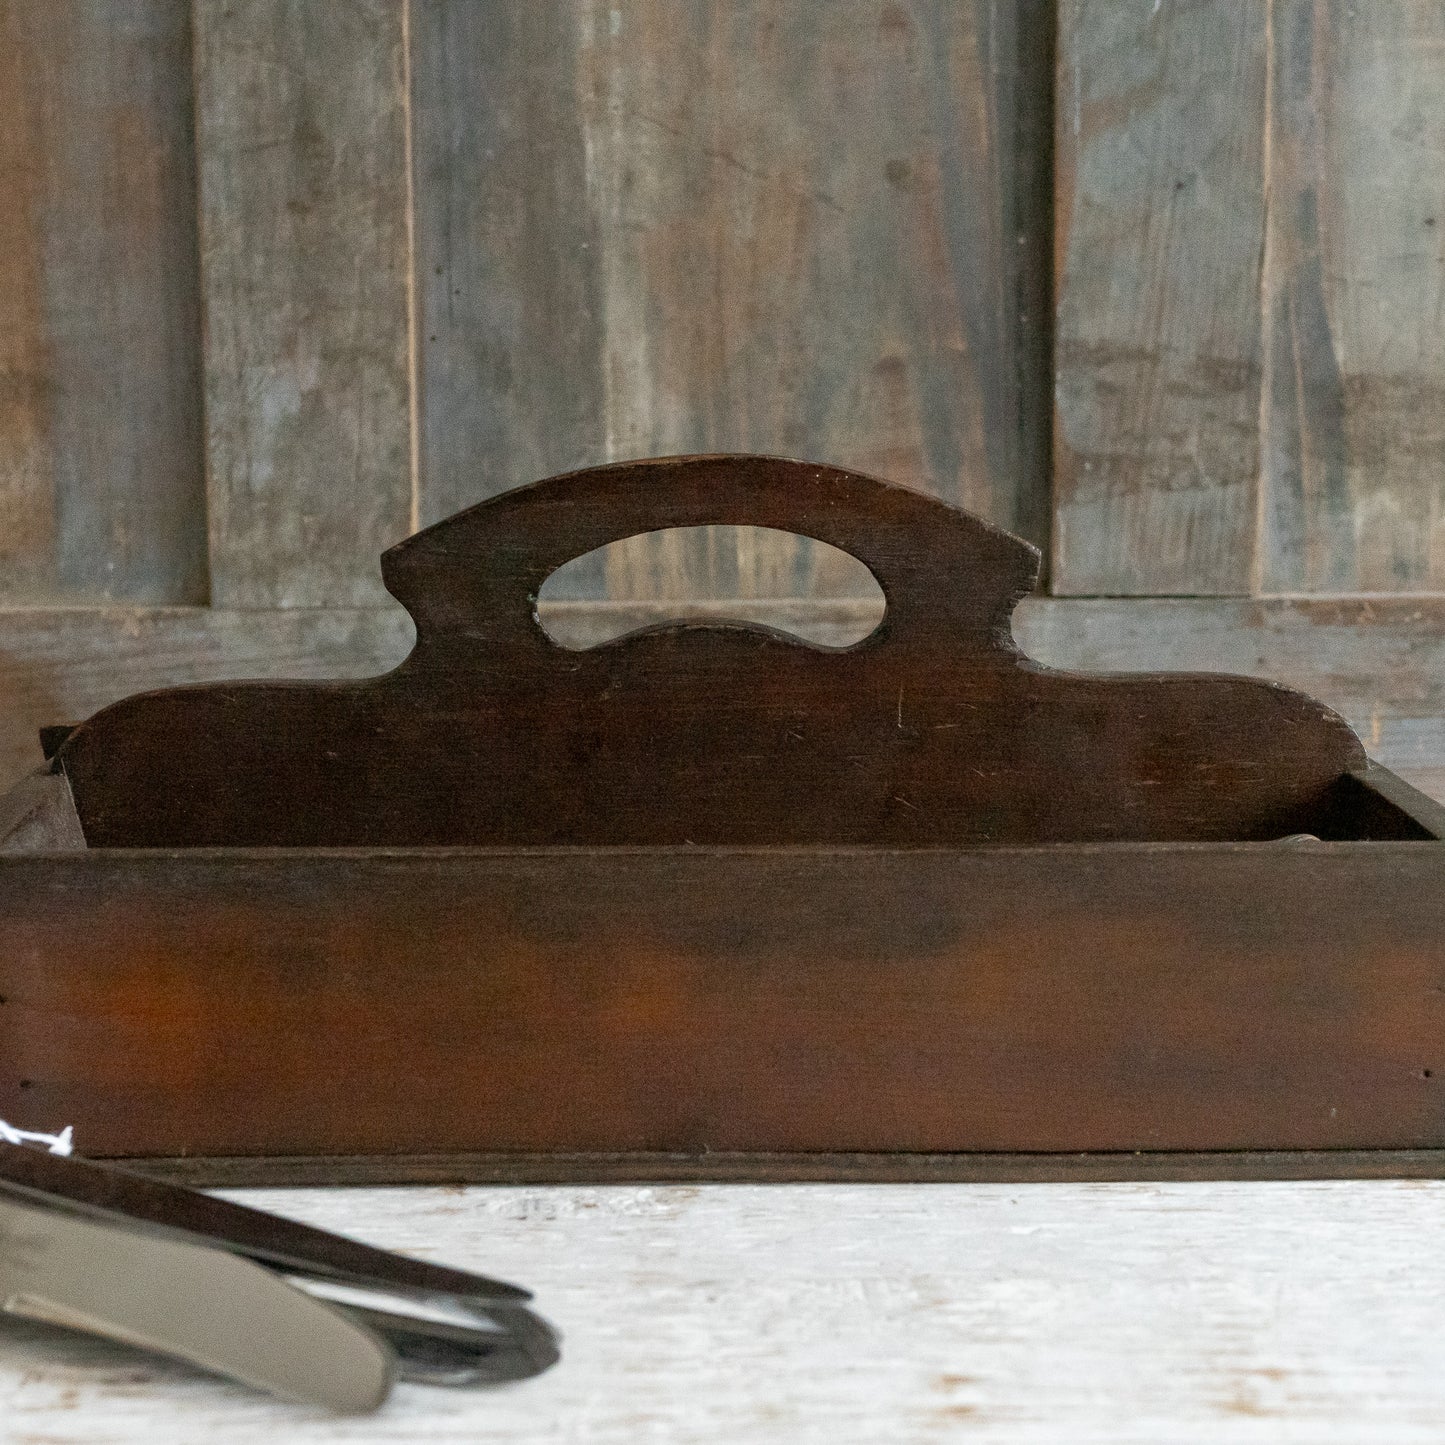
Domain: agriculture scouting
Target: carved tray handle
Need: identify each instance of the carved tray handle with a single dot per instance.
(471, 582)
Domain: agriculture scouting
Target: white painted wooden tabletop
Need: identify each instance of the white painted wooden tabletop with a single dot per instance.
(994, 1313)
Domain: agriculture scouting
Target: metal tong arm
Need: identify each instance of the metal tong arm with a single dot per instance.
(122, 1196)
(447, 1325)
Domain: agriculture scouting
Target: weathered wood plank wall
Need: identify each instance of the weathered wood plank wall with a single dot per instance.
(101, 488)
(1251, 281)
(712, 225)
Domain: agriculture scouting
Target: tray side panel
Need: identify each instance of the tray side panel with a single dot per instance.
(696, 1001)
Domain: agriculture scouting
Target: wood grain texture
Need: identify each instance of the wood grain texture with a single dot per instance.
(1380, 662)
(303, 196)
(692, 1000)
(1251, 274)
(509, 323)
(101, 480)
(1159, 227)
(933, 730)
(1355, 299)
(1222, 1314)
(685, 226)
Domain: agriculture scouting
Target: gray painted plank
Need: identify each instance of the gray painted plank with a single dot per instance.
(1380, 663)
(1355, 299)
(101, 484)
(1252, 297)
(507, 252)
(301, 114)
(698, 226)
(1160, 216)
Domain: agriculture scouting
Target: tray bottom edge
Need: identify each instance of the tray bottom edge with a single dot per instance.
(774, 1168)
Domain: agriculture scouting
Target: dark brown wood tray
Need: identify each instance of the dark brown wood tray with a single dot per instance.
(708, 901)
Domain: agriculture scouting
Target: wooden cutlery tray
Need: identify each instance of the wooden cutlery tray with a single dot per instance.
(708, 901)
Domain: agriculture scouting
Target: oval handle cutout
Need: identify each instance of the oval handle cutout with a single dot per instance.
(798, 585)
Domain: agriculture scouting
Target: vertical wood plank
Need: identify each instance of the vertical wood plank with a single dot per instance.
(509, 332)
(101, 487)
(686, 225)
(305, 261)
(1355, 299)
(1159, 227)
(27, 509)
